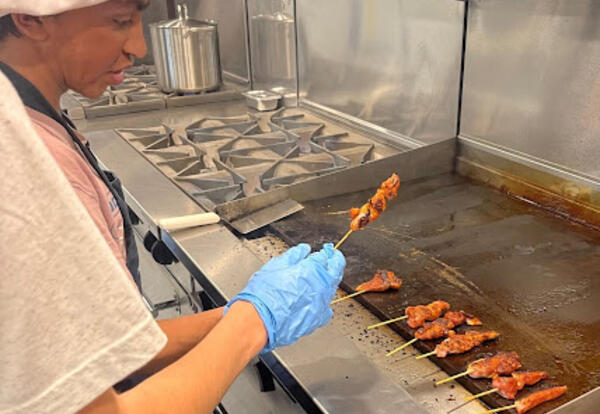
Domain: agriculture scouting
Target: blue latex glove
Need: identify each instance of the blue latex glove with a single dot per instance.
(292, 292)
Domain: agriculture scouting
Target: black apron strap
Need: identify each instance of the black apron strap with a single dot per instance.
(34, 99)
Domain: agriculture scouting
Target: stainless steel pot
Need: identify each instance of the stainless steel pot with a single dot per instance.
(186, 53)
(273, 50)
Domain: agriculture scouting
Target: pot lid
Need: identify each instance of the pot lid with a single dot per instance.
(279, 17)
(183, 21)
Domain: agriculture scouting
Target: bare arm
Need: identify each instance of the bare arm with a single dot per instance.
(196, 382)
(183, 334)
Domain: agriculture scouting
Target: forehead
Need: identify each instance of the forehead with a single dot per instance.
(122, 5)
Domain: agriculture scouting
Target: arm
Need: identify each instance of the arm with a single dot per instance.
(183, 334)
(196, 382)
(287, 298)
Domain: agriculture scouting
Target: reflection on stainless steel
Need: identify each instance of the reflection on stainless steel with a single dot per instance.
(527, 274)
(584, 404)
(220, 159)
(139, 92)
(262, 100)
(186, 53)
(290, 97)
(394, 63)
(231, 18)
(272, 43)
(273, 48)
(532, 79)
(156, 11)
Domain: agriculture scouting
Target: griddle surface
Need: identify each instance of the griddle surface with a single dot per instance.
(530, 275)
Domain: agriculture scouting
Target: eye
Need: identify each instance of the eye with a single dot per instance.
(123, 24)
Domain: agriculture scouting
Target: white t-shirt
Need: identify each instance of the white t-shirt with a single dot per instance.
(71, 322)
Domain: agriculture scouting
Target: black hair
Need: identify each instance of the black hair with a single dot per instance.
(7, 27)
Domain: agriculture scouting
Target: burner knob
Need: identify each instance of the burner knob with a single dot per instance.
(162, 254)
(149, 240)
(265, 377)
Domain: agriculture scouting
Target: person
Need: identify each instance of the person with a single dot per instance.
(61, 46)
(72, 322)
(72, 328)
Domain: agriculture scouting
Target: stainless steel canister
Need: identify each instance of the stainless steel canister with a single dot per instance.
(273, 50)
(186, 53)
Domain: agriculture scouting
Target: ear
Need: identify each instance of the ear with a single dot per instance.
(32, 27)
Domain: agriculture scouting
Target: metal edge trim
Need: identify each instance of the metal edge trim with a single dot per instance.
(528, 160)
(576, 406)
(360, 125)
(236, 78)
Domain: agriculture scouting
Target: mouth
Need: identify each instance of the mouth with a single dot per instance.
(117, 76)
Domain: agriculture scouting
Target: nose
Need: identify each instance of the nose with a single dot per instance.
(136, 44)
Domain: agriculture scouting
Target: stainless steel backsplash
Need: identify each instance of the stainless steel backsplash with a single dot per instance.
(532, 80)
(393, 63)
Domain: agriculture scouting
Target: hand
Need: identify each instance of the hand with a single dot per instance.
(292, 292)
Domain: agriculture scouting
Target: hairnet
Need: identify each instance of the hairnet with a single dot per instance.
(43, 7)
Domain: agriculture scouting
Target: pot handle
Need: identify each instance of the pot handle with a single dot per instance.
(182, 11)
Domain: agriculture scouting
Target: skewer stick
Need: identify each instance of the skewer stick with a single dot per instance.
(481, 394)
(427, 355)
(496, 410)
(452, 378)
(377, 325)
(401, 347)
(343, 239)
(347, 297)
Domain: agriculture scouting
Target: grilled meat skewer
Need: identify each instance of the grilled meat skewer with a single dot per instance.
(439, 328)
(533, 400)
(382, 281)
(390, 186)
(508, 387)
(504, 363)
(443, 326)
(522, 405)
(418, 315)
(458, 344)
(372, 209)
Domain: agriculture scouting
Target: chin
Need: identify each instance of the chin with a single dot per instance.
(91, 91)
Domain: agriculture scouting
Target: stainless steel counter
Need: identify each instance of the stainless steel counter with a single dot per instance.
(326, 372)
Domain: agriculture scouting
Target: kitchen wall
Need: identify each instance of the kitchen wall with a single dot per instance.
(156, 11)
(532, 81)
(392, 63)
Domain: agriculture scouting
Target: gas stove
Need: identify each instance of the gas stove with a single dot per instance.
(216, 160)
(139, 92)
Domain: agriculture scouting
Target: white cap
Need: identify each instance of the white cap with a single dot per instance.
(43, 7)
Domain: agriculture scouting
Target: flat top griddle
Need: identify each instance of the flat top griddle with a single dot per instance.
(528, 274)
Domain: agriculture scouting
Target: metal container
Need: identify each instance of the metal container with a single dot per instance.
(186, 53)
(273, 56)
(262, 100)
(290, 97)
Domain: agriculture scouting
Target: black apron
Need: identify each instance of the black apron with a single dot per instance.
(34, 99)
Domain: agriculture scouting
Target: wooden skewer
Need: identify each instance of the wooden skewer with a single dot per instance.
(343, 239)
(427, 355)
(481, 394)
(401, 347)
(377, 325)
(347, 297)
(452, 378)
(496, 410)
